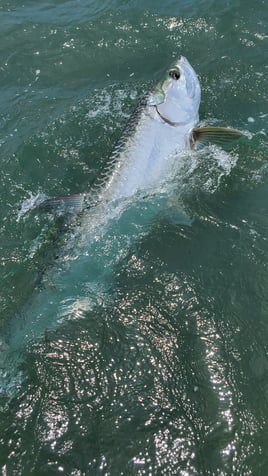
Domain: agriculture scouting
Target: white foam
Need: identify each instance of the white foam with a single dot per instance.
(30, 203)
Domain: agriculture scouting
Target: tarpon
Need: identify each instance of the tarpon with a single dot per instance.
(161, 130)
(162, 127)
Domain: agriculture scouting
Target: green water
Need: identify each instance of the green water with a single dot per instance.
(169, 374)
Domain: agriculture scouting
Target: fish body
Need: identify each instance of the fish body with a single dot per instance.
(158, 131)
(111, 217)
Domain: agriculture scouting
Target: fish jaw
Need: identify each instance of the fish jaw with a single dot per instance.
(191, 80)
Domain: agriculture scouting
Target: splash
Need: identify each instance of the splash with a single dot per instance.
(30, 204)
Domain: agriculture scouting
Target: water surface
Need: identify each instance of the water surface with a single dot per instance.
(169, 374)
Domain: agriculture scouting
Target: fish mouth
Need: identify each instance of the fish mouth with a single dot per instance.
(181, 60)
(182, 64)
(191, 80)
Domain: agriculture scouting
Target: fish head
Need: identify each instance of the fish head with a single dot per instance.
(177, 97)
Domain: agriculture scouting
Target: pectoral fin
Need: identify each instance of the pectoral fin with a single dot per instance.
(215, 135)
(69, 204)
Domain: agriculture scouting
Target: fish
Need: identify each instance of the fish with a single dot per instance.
(163, 126)
(123, 201)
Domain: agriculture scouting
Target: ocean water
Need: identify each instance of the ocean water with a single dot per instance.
(167, 373)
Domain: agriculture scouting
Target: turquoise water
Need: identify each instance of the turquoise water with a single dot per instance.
(167, 374)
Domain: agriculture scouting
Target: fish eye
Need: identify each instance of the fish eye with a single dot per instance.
(174, 74)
